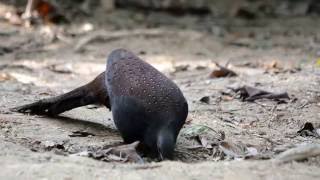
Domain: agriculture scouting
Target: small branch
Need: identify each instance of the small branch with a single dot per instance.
(108, 36)
(298, 153)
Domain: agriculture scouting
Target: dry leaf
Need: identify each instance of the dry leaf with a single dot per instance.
(122, 153)
(222, 72)
(248, 93)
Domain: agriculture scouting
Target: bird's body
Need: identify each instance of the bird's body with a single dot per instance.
(145, 104)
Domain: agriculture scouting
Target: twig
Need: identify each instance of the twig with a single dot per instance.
(147, 166)
(108, 36)
(298, 153)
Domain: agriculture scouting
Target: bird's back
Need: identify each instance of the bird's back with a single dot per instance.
(128, 75)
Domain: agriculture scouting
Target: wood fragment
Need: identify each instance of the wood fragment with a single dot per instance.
(298, 153)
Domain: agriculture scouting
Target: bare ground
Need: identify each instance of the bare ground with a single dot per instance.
(42, 62)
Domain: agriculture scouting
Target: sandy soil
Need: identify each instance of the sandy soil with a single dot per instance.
(42, 62)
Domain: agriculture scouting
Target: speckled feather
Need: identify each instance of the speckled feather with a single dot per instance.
(146, 105)
(131, 76)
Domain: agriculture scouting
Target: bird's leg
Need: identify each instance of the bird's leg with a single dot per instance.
(94, 92)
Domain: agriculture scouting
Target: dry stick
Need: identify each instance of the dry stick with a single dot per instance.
(107, 36)
(147, 166)
(298, 153)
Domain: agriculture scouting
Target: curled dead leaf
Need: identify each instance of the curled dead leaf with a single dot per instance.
(221, 72)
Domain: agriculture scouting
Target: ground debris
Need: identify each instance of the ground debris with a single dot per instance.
(181, 68)
(48, 145)
(222, 72)
(147, 166)
(298, 153)
(269, 67)
(205, 99)
(61, 68)
(309, 130)
(81, 134)
(237, 150)
(121, 153)
(16, 66)
(248, 93)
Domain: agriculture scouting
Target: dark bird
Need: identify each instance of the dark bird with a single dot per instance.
(145, 104)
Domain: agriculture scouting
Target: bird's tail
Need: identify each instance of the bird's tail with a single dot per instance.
(94, 92)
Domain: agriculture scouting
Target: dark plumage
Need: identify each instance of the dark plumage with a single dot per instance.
(145, 104)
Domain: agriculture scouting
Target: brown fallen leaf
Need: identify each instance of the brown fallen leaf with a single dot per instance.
(49, 13)
(222, 72)
(248, 93)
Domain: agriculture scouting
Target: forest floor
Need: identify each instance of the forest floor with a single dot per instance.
(224, 138)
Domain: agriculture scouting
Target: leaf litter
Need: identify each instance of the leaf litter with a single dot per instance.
(249, 93)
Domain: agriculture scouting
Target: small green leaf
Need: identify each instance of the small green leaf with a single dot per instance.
(318, 62)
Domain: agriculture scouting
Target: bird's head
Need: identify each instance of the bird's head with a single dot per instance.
(166, 141)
